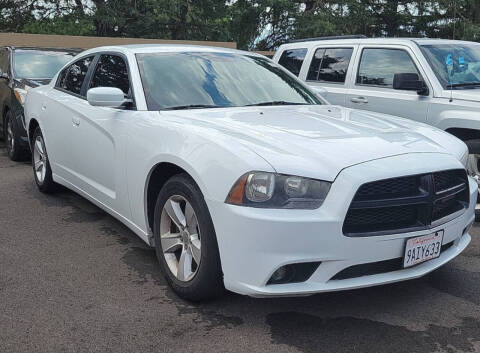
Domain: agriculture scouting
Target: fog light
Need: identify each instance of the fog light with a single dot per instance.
(293, 273)
(279, 275)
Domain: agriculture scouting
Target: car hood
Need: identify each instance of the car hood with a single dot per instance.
(320, 141)
(35, 82)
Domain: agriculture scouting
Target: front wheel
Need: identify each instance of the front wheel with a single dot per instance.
(42, 172)
(14, 150)
(185, 241)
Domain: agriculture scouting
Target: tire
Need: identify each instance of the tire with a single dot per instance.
(206, 279)
(473, 168)
(12, 141)
(42, 172)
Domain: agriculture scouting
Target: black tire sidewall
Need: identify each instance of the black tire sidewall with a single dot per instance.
(208, 281)
(14, 154)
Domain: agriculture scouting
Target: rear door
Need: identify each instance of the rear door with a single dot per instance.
(372, 86)
(329, 68)
(60, 112)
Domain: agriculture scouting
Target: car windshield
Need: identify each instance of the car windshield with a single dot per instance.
(455, 65)
(39, 63)
(189, 80)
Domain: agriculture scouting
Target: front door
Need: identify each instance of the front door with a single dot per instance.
(100, 138)
(372, 88)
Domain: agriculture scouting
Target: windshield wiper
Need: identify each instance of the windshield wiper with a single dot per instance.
(275, 103)
(464, 84)
(193, 106)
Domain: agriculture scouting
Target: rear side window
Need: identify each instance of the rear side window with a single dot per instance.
(292, 60)
(71, 79)
(111, 71)
(378, 66)
(330, 64)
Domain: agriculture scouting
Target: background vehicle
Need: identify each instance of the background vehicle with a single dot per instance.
(241, 177)
(433, 81)
(20, 70)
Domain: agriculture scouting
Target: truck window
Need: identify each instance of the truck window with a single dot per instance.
(330, 65)
(292, 59)
(378, 66)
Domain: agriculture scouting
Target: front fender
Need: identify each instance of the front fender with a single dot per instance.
(214, 160)
(456, 118)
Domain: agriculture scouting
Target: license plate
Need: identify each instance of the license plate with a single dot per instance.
(424, 248)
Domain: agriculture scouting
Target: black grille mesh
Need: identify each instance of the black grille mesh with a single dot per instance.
(406, 203)
(389, 188)
(448, 178)
(363, 220)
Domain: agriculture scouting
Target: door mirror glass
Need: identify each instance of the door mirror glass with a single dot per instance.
(3, 74)
(106, 97)
(409, 82)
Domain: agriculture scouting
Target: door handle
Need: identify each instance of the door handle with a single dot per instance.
(44, 107)
(361, 100)
(75, 121)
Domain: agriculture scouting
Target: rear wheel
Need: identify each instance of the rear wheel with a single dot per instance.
(41, 165)
(185, 241)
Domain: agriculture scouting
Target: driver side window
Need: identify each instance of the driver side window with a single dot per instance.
(71, 79)
(111, 71)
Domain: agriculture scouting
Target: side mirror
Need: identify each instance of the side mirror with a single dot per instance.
(106, 97)
(321, 91)
(410, 82)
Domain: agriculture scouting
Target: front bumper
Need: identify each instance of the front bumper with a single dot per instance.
(254, 242)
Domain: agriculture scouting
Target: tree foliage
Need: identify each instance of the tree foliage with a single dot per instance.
(261, 24)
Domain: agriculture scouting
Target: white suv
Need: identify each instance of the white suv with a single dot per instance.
(432, 81)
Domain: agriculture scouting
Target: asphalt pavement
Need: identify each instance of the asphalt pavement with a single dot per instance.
(73, 279)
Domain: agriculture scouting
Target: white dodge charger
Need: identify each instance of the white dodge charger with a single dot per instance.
(242, 178)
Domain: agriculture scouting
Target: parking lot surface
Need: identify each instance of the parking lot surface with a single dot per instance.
(73, 279)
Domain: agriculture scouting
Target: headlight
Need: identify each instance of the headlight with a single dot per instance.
(21, 94)
(269, 190)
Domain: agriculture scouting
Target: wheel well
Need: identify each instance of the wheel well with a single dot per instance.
(158, 177)
(31, 129)
(464, 134)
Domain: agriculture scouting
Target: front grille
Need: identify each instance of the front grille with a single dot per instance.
(396, 187)
(407, 203)
(375, 268)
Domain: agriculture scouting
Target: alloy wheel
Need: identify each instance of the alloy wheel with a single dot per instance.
(180, 238)
(39, 159)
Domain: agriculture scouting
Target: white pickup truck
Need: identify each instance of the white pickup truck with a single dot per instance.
(434, 81)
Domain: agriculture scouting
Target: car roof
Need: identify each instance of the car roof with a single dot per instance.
(382, 40)
(166, 48)
(73, 50)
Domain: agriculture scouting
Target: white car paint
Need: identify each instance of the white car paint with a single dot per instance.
(107, 155)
